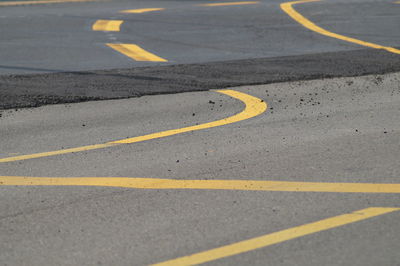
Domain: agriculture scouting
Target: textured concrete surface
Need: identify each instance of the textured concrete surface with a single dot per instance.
(332, 130)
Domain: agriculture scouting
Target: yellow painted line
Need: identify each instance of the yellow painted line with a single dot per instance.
(20, 3)
(231, 3)
(243, 185)
(142, 10)
(253, 107)
(288, 8)
(136, 52)
(107, 25)
(277, 237)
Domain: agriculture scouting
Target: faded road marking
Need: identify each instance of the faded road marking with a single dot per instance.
(231, 3)
(136, 52)
(277, 237)
(21, 3)
(243, 185)
(107, 25)
(142, 10)
(253, 107)
(287, 7)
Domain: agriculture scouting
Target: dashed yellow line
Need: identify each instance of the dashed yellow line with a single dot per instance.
(231, 3)
(135, 52)
(288, 8)
(277, 237)
(141, 10)
(107, 25)
(253, 107)
(21, 3)
(243, 185)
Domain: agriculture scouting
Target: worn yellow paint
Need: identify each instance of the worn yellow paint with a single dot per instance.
(136, 52)
(53, 153)
(253, 107)
(231, 3)
(107, 25)
(288, 8)
(141, 10)
(22, 3)
(157, 183)
(277, 237)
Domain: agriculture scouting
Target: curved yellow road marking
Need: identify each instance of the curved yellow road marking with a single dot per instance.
(142, 10)
(107, 25)
(231, 3)
(253, 107)
(277, 237)
(287, 7)
(157, 183)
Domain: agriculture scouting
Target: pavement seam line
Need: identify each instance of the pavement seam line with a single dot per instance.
(231, 3)
(253, 107)
(288, 9)
(141, 10)
(135, 52)
(278, 237)
(107, 25)
(218, 184)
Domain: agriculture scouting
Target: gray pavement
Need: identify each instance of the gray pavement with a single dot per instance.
(60, 39)
(332, 130)
(333, 116)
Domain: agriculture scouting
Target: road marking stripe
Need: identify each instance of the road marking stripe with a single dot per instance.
(287, 7)
(277, 237)
(243, 185)
(107, 25)
(253, 107)
(20, 3)
(135, 52)
(231, 3)
(142, 10)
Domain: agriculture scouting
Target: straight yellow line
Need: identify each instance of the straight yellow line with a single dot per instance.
(20, 3)
(253, 107)
(107, 25)
(277, 237)
(243, 185)
(135, 52)
(231, 3)
(142, 10)
(287, 7)
(54, 153)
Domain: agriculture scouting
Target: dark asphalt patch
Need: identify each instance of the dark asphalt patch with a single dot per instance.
(17, 91)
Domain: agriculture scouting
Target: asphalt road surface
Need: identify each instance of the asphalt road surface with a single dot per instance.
(60, 36)
(283, 150)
